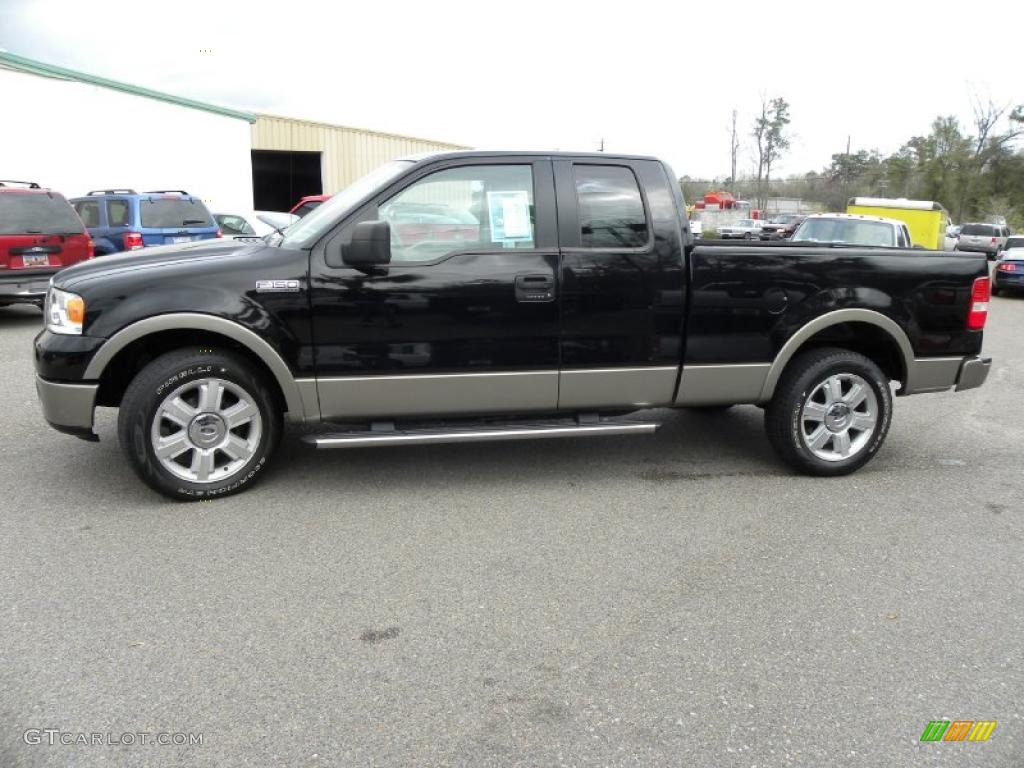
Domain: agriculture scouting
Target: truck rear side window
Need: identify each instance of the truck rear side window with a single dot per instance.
(611, 209)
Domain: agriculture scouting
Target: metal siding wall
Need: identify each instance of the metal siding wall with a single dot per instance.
(347, 153)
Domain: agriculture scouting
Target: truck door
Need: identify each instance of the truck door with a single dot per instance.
(622, 283)
(464, 320)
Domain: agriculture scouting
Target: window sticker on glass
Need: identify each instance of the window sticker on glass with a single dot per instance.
(509, 214)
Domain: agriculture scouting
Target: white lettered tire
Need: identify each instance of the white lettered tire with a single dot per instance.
(198, 424)
(830, 413)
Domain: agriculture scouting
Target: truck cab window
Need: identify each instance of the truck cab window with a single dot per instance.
(473, 207)
(610, 206)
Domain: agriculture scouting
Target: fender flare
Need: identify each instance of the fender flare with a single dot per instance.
(196, 321)
(820, 323)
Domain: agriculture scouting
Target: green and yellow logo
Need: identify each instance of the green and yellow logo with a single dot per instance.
(958, 730)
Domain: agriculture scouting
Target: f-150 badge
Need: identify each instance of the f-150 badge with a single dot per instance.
(277, 286)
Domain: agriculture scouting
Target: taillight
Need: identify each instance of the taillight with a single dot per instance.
(979, 305)
(219, 233)
(993, 241)
(1007, 267)
(132, 241)
(90, 248)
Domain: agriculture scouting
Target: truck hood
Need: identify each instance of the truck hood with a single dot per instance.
(149, 258)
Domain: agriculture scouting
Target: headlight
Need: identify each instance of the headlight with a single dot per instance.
(65, 312)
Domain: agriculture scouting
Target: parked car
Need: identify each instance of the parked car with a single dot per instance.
(1009, 271)
(307, 204)
(745, 229)
(39, 235)
(781, 227)
(853, 229)
(252, 225)
(567, 311)
(126, 220)
(412, 223)
(951, 235)
(989, 239)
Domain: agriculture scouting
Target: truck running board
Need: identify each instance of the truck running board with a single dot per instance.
(516, 431)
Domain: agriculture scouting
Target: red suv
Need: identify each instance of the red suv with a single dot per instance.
(40, 234)
(307, 204)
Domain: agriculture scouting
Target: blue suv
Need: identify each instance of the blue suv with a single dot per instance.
(125, 220)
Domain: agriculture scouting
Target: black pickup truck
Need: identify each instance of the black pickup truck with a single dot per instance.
(497, 295)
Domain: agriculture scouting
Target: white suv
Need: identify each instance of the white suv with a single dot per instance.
(989, 239)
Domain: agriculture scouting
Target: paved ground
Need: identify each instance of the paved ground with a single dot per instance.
(675, 600)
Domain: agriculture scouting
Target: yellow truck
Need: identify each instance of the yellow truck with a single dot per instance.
(926, 220)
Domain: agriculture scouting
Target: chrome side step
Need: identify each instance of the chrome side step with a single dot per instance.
(522, 431)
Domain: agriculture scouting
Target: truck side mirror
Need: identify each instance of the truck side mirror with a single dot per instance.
(370, 246)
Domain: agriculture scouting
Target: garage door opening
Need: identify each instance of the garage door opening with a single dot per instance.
(280, 178)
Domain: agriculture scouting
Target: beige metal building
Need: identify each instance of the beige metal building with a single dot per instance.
(292, 158)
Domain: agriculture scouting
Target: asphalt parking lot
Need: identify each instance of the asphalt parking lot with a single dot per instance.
(679, 599)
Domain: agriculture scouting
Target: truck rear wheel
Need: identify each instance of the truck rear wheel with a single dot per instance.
(197, 425)
(830, 413)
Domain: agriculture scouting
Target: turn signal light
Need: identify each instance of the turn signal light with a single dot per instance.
(75, 309)
(979, 305)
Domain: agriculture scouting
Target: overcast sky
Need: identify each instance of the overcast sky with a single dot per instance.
(652, 78)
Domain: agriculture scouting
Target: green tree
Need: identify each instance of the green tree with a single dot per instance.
(770, 139)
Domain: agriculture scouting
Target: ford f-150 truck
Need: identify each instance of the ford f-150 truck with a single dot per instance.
(553, 295)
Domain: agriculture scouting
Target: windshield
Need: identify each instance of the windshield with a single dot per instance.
(46, 213)
(1014, 242)
(309, 228)
(850, 231)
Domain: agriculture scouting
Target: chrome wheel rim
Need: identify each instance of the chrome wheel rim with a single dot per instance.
(206, 431)
(839, 417)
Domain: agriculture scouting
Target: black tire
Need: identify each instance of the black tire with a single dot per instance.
(177, 371)
(803, 378)
(994, 290)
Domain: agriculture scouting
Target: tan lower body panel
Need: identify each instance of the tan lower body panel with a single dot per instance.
(617, 387)
(438, 394)
(722, 384)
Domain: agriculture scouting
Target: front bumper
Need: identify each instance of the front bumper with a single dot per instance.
(68, 408)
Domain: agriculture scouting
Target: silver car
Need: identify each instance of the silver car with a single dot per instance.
(745, 229)
(989, 239)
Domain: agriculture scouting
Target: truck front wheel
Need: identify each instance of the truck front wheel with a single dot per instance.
(830, 413)
(198, 424)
